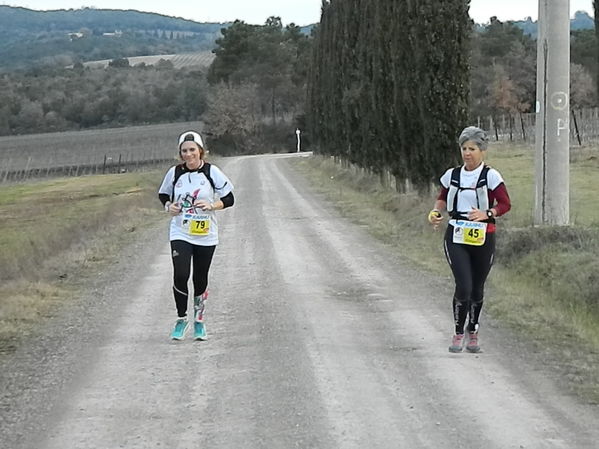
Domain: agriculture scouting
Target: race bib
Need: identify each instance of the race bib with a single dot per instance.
(469, 232)
(194, 224)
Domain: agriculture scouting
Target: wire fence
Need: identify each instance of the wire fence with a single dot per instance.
(583, 124)
(109, 166)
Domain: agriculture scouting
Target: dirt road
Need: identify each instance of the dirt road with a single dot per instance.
(318, 338)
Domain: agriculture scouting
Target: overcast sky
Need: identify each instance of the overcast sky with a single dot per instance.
(301, 12)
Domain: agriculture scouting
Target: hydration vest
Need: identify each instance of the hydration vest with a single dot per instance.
(182, 169)
(482, 193)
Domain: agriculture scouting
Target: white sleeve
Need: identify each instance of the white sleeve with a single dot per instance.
(222, 185)
(494, 179)
(446, 178)
(167, 183)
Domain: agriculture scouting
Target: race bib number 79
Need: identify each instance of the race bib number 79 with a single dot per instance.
(469, 232)
(196, 224)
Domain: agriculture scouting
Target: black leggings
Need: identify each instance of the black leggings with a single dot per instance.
(470, 266)
(182, 254)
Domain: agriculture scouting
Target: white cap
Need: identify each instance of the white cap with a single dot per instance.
(191, 136)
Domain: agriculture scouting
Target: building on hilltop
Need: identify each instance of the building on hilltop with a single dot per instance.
(117, 33)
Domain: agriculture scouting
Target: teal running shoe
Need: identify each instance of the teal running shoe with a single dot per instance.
(199, 330)
(180, 328)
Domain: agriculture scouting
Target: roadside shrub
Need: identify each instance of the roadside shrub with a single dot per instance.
(515, 243)
(562, 261)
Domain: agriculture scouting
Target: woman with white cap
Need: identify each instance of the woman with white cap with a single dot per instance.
(191, 192)
(474, 195)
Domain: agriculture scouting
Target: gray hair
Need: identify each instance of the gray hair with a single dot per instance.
(477, 135)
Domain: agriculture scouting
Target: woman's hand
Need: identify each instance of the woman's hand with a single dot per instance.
(173, 209)
(204, 205)
(477, 215)
(435, 218)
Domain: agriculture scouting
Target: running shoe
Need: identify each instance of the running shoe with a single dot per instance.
(472, 345)
(180, 328)
(457, 343)
(199, 330)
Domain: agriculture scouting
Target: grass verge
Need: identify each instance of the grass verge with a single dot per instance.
(57, 233)
(544, 286)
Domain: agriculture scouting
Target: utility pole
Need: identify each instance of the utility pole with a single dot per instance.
(552, 167)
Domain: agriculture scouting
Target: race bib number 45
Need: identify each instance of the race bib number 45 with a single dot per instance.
(196, 224)
(469, 232)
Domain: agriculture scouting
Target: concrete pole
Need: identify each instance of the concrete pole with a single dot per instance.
(552, 199)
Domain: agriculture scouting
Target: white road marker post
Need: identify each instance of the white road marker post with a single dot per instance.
(297, 133)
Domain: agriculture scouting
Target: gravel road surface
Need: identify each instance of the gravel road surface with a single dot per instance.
(319, 337)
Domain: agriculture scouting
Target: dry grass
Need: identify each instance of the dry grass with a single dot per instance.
(55, 232)
(546, 280)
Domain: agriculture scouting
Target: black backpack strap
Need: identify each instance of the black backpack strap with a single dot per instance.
(455, 181)
(179, 170)
(206, 170)
(455, 176)
(482, 179)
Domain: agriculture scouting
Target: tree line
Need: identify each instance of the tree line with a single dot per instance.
(377, 78)
(503, 70)
(249, 98)
(78, 98)
(257, 86)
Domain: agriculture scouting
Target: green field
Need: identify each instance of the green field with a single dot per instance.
(545, 285)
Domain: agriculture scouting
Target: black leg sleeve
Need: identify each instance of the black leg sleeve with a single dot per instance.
(482, 258)
(181, 253)
(458, 258)
(202, 258)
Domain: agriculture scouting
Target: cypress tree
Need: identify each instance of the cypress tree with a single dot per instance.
(596, 13)
(388, 87)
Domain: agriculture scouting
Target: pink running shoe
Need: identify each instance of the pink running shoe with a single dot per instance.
(472, 345)
(457, 343)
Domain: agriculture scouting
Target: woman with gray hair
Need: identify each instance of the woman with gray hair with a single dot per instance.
(474, 195)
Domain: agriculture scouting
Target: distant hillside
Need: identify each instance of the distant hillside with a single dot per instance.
(13, 19)
(44, 38)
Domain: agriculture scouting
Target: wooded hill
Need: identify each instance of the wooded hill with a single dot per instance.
(33, 39)
(48, 38)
